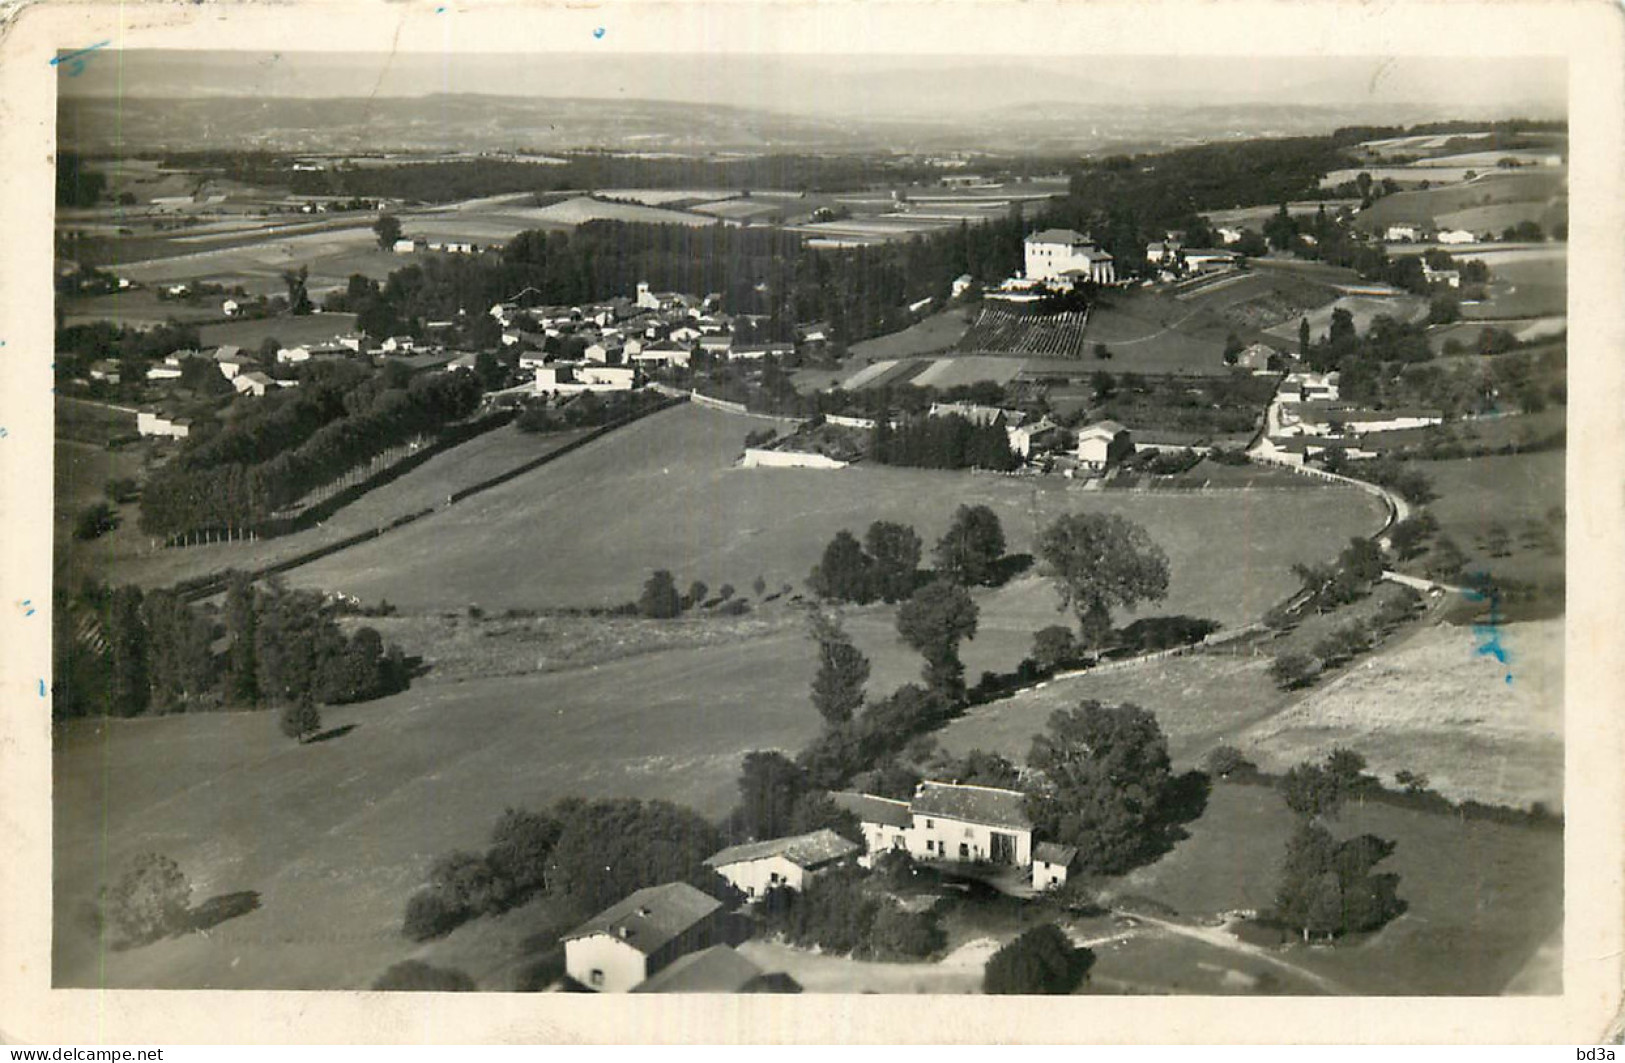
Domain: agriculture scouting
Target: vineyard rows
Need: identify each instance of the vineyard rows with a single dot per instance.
(1006, 332)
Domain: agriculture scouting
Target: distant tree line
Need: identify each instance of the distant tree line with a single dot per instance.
(127, 652)
(290, 442)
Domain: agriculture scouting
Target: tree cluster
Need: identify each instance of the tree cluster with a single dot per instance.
(588, 854)
(778, 798)
(283, 648)
(885, 566)
(1328, 886)
(945, 441)
(1107, 785)
(846, 911)
(288, 444)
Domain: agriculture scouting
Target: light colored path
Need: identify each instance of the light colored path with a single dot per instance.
(1220, 938)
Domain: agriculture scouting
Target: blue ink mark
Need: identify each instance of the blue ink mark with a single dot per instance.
(440, 11)
(4, 433)
(1489, 632)
(599, 33)
(74, 62)
(28, 607)
(42, 688)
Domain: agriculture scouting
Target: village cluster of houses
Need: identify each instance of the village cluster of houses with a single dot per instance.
(1309, 418)
(625, 337)
(674, 938)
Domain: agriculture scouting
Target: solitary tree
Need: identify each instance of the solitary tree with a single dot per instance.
(770, 785)
(1098, 560)
(895, 552)
(301, 718)
(1041, 961)
(1106, 778)
(970, 551)
(298, 297)
(837, 689)
(660, 600)
(1054, 646)
(845, 572)
(934, 622)
(149, 901)
(388, 229)
(1303, 338)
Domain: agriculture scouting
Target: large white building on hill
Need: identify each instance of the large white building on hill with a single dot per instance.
(1057, 256)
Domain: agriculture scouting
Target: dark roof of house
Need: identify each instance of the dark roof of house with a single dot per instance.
(804, 850)
(1057, 236)
(651, 917)
(871, 809)
(1055, 853)
(973, 804)
(718, 969)
(1111, 427)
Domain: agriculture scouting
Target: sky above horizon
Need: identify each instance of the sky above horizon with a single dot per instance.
(872, 85)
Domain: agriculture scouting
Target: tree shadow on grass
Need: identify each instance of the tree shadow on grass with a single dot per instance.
(216, 910)
(1009, 567)
(332, 733)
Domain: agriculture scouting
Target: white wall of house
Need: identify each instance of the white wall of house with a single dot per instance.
(937, 838)
(605, 963)
(756, 458)
(1092, 450)
(756, 877)
(1048, 876)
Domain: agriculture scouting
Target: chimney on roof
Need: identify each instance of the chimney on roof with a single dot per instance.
(645, 911)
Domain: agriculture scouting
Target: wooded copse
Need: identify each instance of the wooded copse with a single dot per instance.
(289, 443)
(125, 652)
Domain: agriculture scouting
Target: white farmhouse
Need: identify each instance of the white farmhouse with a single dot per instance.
(1103, 444)
(642, 934)
(947, 821)
(1457, 236)
(756, 867)
(1051, 863)
(561, 378)
(1053, 255)
(1026, 438)
(252, 383)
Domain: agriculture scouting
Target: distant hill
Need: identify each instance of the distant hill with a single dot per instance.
(469, 122)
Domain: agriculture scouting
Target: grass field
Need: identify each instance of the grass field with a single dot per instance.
(1515, 491)
(290, 330)
(128, 556)
(663, 493)
(138, 309)
(1200, 700)
(1427, 205)
(1438, 705)
(335, 835)
(1364, 309)
(938, 332)
(1524, 286)
(1482, 897)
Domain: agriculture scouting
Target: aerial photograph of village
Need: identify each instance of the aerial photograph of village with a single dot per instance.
(831, 525)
